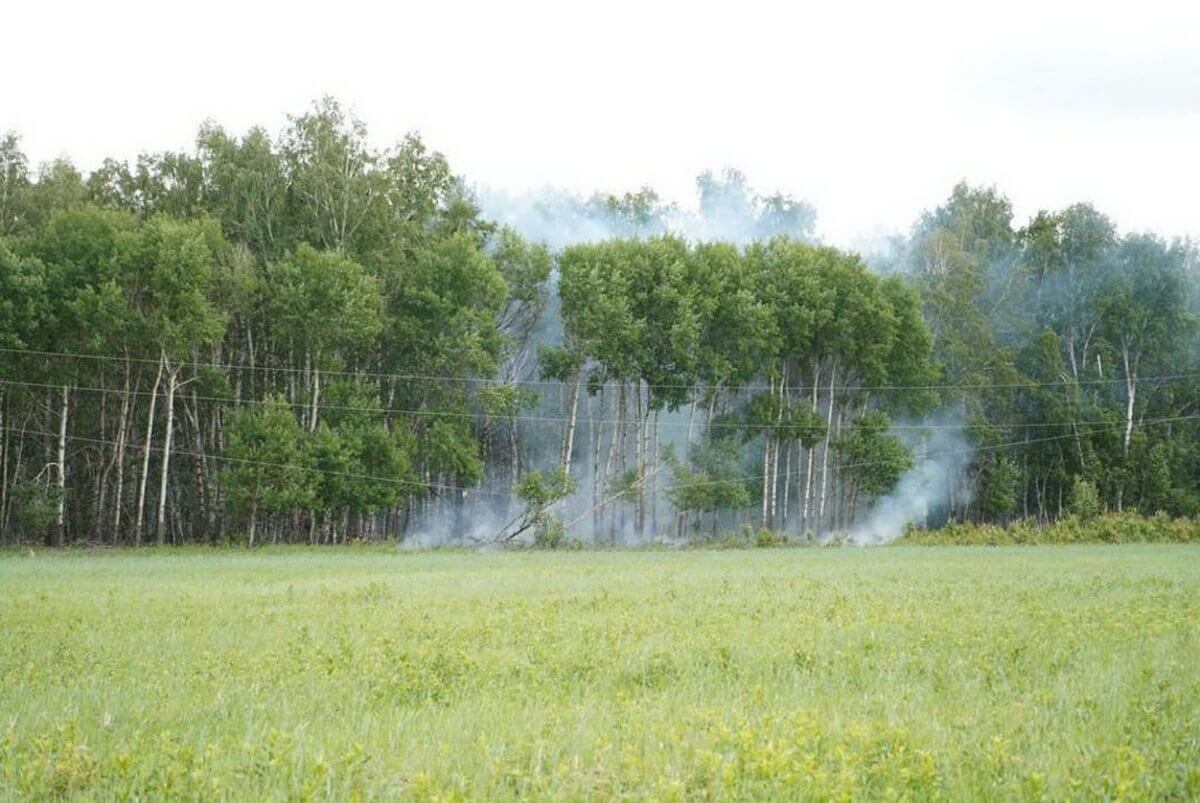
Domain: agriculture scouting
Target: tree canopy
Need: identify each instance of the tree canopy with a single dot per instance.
(307, 337)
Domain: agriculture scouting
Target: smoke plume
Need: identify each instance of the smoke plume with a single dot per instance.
(923, 493)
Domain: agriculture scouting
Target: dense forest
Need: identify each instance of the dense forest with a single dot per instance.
(305, 338)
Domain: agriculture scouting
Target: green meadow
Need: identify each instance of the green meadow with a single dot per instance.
(907, 672)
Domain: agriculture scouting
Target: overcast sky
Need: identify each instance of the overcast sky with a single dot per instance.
(870, 111)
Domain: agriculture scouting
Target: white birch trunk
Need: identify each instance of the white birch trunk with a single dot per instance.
(122, 438)
(141, 506)
(572, 419)
(168, 439)
(61, 463)
(825, 449)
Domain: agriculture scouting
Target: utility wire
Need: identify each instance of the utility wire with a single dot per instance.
(606, 500)
(921, 456)
(425, 413)
(558, 382)
(837, 466)
(248, 461)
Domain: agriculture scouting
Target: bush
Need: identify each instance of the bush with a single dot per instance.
(1084, 500)
(745, 538)
(35, 508)
(550, 533)
(539, 491)
(1111, 528)
(766, 538)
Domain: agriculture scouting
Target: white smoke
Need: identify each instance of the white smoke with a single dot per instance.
(728, 210)
(925, 490)
(551, 216)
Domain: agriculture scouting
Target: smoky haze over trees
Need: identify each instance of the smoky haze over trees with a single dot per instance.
(304, 338)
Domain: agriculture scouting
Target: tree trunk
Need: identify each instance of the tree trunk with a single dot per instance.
(168, 438)
(572, 418)
(1070, 339)
(122, 438)
(61, 463)
(4, 441)
(639, 451)
(200, 521)
(1130, 397)
(765, 501)
(776, 449)
(812, 453)
(787, 484)
(616, 457)
(316, 396)
(837, 494)
(138, 528)
(100, 494)
(825, 450)
(514, 452)
(15, 472)
(596, 461)
(654, 478)
(253, 521)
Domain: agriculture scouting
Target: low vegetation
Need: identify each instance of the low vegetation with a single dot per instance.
(290, 673)
(1114, 528)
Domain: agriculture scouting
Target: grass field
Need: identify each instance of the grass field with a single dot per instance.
(902, 672)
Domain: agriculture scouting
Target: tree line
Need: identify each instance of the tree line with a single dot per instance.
(305, 338)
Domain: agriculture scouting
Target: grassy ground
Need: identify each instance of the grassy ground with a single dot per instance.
(919, 672)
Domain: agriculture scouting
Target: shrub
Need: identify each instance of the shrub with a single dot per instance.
(1084, 500)
(550, 533)
(766, 538)
(1111, 528)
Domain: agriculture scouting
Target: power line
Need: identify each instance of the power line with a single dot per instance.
(689, 484)
(802, 389)
(970, 450)
(787, 475)
(426, 413)
(248, 461)
(1104, 427)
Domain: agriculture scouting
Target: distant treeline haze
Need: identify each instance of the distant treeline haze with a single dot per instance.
(305, 338)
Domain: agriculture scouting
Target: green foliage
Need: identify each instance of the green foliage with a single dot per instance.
(23, 299)
(873, 458)
(14, 183)
(442, 306)
(558, 362)
(526, 269)
(34, 507)
(322, 304)
(506, 401)
(448, 447)
(1110, 528)
(175, 271)
(270, 470)
(999, 483)
(628, 304)
(550, 533)
(766, 538)
(359, 288)
(539, 491)
(339, 186)
(711, 481)
(1084, 501)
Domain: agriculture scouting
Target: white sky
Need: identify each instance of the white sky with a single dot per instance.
(871, 111)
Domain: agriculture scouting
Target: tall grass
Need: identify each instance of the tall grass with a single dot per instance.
(955, 673)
